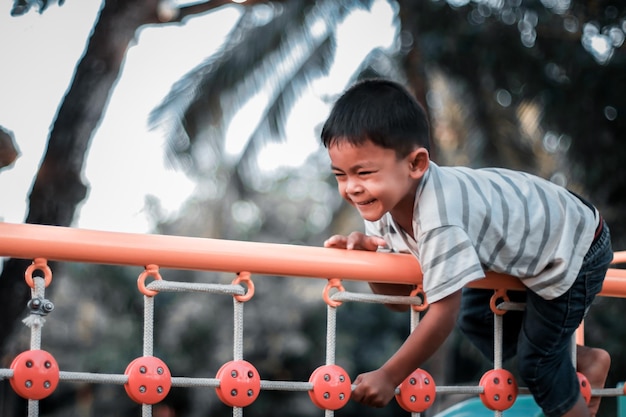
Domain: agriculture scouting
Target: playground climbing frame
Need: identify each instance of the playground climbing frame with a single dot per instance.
(34, 374)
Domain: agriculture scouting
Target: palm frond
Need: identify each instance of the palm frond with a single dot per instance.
(277, 58)
(198, 100)
(21, 7)
(379, 63)
(273, 120)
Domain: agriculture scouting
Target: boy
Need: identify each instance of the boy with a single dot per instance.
(459, 222)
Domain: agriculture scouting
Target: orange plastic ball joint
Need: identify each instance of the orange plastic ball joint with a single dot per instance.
(417, 392)
(35, 374)
(149, 380)
(585, 387)
(499, 389)
(331, 387)
(240, 383)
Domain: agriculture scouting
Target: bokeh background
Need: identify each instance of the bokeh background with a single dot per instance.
(201, 118)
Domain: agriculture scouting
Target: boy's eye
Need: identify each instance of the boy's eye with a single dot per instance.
(339, 174)
(365, 172)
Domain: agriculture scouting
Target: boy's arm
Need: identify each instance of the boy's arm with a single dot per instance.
(377, 388)
(360, 241)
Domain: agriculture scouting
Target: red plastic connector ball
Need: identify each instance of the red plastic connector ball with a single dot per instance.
(240, 383)
(331, 387)
(35, 374)
(149, 380)
(500, 389)
(417, 392)
(585, 387)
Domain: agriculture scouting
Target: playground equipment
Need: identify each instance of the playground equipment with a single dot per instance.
(34, 374)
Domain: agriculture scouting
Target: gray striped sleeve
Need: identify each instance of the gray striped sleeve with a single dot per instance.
(505, 225)
(545, 235)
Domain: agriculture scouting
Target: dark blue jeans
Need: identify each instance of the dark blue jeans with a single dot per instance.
(541, 335)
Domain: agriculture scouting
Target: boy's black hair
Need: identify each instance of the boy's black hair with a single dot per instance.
(382, 111)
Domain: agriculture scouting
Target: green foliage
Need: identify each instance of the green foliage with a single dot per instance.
(21, 7)
(199, 107)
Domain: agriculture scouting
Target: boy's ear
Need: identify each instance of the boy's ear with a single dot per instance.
(418, 162)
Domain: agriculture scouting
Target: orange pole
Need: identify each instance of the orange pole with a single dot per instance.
(29, 241)
(56, 243)
(619, 257)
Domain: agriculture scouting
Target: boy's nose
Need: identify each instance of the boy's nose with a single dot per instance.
(353, 187)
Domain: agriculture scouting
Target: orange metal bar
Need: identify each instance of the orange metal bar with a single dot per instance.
(619, 257)
(56, 243)
(30, 241)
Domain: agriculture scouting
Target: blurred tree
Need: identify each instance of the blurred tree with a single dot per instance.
(8, 149)
(529, 85)
(536, 80)
(299, 37)
(58, 187)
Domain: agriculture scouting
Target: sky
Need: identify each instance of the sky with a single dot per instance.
(126, 162)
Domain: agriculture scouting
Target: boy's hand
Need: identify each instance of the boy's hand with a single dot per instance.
(374, 389)
(355, 240)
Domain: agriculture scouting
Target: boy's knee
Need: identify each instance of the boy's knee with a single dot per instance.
(550, 377)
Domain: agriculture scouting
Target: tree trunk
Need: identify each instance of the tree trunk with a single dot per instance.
(58, 187)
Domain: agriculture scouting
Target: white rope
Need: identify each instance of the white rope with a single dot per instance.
(36, 321)
(497, 341)
(189, 382)
(148, 325)
(453, 389)
(497, 347)
(173, 286)
(415, 318)
(286, 385)
(375, 298)
(237, 341)
(237, 330)
(511, 306)
(93, 378)
(33, 408)
(608, 392)
(331, 337)
(331, 341)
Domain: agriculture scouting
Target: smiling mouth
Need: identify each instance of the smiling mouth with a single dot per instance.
(365, 203)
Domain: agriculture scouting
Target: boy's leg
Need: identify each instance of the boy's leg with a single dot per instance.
(594, 363)
(545, 341)
(545, 357)
(578, 410)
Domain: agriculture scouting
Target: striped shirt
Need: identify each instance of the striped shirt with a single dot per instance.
(466, 221)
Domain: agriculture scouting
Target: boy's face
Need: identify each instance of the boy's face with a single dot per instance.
(374, 180)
